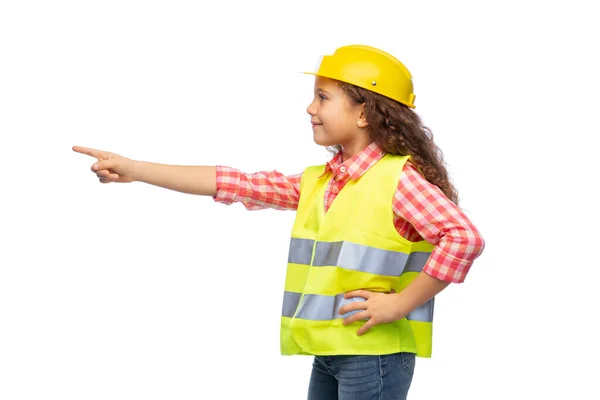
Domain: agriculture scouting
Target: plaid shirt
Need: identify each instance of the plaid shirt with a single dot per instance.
(421, 210)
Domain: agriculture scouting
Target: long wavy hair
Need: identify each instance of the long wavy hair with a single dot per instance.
(397, 129)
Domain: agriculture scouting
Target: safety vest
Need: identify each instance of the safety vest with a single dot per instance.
(353, 246)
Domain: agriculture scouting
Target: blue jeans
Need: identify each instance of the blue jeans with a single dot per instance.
(383, 377)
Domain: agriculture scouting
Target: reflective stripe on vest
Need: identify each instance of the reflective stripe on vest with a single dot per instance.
(319, 308)
(356, 257)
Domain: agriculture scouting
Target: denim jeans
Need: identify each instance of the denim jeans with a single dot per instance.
(383, 377)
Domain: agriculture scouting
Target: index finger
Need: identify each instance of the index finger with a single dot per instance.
(99, 154)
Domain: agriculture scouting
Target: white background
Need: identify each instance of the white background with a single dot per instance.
(131, 291)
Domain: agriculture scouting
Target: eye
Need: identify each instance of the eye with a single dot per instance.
(322, 97)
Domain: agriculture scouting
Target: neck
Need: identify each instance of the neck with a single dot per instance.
(352, 149)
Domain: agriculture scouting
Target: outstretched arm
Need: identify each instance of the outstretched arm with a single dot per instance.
(111, 167)
(200, 180)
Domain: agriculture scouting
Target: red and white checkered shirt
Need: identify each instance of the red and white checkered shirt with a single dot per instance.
(421, 210)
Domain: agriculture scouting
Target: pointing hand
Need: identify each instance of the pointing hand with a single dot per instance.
(110, 167)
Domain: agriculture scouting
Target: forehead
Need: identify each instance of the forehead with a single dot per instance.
(325, 84)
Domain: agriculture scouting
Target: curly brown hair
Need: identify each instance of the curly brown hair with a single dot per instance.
(397, 129)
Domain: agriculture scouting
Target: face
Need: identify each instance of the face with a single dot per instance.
(334, 118)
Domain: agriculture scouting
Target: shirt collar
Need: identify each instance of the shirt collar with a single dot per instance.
(357, 165)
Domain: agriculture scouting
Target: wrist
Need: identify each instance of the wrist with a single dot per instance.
(137, 170)
(401, 305)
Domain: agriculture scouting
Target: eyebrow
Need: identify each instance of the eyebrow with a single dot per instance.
(323, 90)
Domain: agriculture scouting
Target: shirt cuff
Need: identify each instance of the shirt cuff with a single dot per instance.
(446, 267)
(228, 185)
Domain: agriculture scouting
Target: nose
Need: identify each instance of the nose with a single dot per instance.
(311, 109)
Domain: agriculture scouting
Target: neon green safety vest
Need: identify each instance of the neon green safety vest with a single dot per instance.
(353, 246)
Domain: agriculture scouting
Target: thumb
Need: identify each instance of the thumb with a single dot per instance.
(105, 164)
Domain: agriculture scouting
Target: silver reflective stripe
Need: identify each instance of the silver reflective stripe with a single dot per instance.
(320, 308)
(422, 313)
(300, 251)
(364, 258)
(290, 303)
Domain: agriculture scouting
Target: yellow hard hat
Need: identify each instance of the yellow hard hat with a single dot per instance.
(371, 69)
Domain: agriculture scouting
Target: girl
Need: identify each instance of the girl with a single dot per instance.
(377, 235)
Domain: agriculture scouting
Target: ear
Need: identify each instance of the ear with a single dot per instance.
(361, 121)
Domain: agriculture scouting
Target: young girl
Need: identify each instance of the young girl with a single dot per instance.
(377, 235)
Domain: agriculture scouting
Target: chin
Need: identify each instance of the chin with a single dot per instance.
(323, 141)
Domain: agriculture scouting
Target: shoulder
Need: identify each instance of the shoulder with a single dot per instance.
(412, 183)
(320, 167)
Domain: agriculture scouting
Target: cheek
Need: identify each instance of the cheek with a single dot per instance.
(326, 114)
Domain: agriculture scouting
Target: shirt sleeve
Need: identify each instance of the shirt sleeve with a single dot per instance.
(258, 190)
(440, 222)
